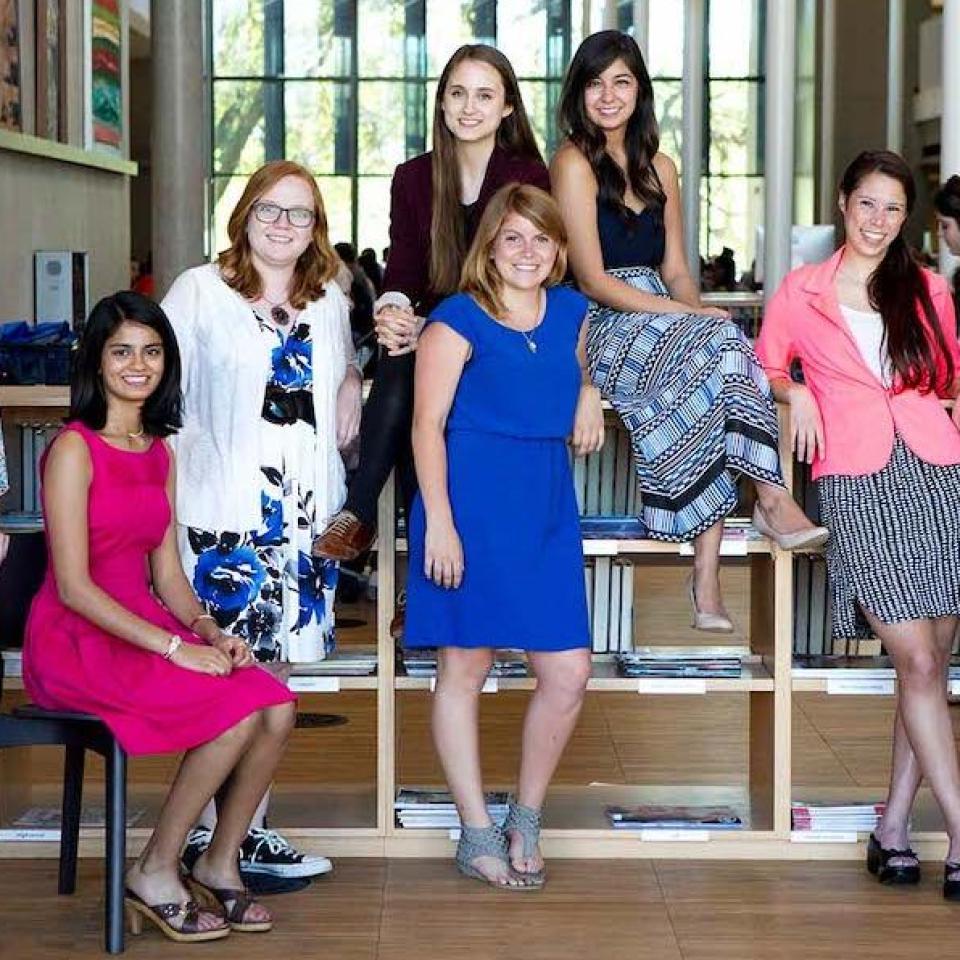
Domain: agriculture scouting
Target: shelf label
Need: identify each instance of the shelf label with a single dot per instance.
(955, 688)
(671, 685)
(861, 686)
(822, 836)
(675, 836)
(314, 684)
(600, 548)
(490, 685)
(729, 547)
(29, 834)
(455, 834)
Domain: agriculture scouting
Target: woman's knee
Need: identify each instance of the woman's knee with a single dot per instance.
(463, 671)
(921, 668)
(242, 731)
(279, 720)
(566, 683)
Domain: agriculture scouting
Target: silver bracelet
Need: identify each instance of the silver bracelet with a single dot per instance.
(172, 647)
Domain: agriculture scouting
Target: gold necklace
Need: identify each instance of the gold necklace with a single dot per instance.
(137, 435)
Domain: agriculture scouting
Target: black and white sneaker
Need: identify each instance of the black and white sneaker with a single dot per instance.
(198, 839)
(267, 852)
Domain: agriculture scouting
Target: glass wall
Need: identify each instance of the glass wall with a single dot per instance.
(346, 87)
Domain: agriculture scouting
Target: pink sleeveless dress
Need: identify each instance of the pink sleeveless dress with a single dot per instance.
(150, 704)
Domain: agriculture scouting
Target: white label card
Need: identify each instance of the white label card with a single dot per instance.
(675, 836)
(490, 685)
(732, 547)
(822, 836)
(314, 684)
(455, 834)
(672, 685)
(955, 688)
(29, 834)
(860, 686)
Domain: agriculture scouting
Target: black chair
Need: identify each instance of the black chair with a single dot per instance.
(29, 726)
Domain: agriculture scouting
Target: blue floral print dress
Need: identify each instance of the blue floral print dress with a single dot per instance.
(263, 585)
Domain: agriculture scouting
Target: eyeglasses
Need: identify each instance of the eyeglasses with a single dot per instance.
(267, 212)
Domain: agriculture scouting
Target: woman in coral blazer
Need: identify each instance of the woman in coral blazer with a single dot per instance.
(874, 335)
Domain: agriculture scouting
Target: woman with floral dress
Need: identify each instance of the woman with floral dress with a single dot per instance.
(271, 394)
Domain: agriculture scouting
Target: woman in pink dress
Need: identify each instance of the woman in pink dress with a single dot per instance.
(116, 630)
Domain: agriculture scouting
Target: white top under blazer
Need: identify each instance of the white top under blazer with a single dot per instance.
(226, 364)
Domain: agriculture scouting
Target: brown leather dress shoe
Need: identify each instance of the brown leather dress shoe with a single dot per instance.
(399, 620)
(345, 538)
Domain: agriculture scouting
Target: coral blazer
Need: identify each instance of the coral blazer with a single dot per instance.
(860, 415)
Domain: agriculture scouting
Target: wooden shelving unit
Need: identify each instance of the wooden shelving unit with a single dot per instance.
(574, 823)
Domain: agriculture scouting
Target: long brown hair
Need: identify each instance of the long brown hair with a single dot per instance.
(479, 276)
(316, 265)
(448, 242)
(897, 287)
(642, 137)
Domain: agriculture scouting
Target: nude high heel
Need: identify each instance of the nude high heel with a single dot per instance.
(707, 622)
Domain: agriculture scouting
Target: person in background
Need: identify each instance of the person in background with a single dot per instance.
(481, 140)
(271, 396)
(874, 333)
(946, 203)
(116, 631)
(362, 292)
(368, 260)
(500, 386)
(682, 377)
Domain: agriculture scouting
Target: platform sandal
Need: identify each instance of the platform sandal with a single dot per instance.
(878, 863)
(476, 842)
(526, 822)
(160, 915)
(232, 903)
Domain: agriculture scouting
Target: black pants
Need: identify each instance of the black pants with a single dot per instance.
(385, 438)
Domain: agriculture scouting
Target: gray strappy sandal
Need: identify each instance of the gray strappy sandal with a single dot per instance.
(489, 841)
(526, 822)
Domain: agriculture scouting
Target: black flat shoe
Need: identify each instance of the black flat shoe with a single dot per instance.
(878, 863)
(951, 887)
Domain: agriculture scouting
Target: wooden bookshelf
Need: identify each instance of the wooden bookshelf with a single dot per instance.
(335, 790)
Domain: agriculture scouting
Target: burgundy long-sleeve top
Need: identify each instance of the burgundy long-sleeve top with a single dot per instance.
(411, 210)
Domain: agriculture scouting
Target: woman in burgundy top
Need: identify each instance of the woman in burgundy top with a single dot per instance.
(482, 141)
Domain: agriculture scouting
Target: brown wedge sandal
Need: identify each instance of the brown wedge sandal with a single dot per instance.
(160, 915)
(233, 903)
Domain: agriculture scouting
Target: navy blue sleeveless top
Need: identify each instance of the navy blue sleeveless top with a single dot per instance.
(631, 239)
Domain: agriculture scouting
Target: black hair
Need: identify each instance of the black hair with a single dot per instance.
(947, 199)
(897, 286)
(347, 252)
(642, 136)
(162, 410)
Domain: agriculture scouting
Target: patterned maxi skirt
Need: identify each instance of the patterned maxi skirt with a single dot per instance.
(894, 542)
(691, 393)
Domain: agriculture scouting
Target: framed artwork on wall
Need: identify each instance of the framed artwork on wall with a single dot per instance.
(10, 115)
(51, 70)
(104, 73)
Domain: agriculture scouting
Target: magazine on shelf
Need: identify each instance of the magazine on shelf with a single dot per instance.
(658, 817)
(696, 664)
(613, 528)
(835, 817)
(428, 808)
(423, 663)
(12, 663)
(342, 663)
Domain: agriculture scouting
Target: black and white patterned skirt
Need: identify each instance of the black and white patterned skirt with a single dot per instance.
(894, 545)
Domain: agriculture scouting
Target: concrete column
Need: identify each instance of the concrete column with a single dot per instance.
(641, 24)
(179, 142)
(609, 14)
(827, 191)
(778, 154)
(950, 116)
(895, 52)
(692, 146)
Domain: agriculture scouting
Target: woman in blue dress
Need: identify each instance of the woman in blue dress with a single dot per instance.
(682, 377)
(495, 553)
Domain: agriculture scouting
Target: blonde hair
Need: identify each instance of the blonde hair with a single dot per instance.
(315, 266)
(480, 277)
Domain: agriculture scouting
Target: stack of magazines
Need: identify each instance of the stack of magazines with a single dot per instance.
(423, 663)
(429, 808)
(831, 818)
(648, 662)
(340, 663)
(612, 528)
(658, 817)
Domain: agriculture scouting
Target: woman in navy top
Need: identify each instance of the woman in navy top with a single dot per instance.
(482, 140)
(496, 558)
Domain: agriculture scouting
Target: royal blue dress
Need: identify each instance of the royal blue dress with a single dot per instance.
(510, 487)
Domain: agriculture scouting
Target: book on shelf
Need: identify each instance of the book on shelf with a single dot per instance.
(12, 663)
(428, 808)
(696, 664)
(607, 527)
(659, 817)
(423, 663)
(837, 817)
(28, 521)
(341, 663)
(868, 668)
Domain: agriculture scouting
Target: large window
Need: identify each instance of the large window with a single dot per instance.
(346, 87)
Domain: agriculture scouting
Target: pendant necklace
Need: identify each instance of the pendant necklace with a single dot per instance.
(137, 435)
(528, 334)
(277, 313)
(531, 343)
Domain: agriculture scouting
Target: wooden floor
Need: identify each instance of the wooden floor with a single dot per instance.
(590, 910)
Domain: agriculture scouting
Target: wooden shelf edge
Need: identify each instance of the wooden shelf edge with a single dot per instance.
(66, 153)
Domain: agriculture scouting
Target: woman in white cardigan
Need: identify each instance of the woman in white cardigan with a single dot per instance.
(271, 395)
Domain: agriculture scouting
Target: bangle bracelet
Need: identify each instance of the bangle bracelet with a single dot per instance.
(172, 647)
(202, 616)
